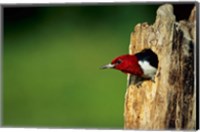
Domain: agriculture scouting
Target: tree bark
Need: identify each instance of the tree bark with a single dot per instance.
(170, 102)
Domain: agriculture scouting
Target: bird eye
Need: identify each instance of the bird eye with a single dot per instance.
(118, 61)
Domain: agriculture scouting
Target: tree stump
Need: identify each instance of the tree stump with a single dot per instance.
(170, 102)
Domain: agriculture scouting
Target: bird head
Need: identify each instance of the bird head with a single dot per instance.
(125, 63)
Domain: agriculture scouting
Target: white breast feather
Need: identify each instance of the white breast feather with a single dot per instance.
(149, 71)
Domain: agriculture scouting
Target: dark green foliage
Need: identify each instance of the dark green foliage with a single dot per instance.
(51, 60)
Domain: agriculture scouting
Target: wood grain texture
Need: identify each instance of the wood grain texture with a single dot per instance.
(170, 102)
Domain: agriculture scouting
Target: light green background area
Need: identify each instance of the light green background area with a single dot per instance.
(51, 60)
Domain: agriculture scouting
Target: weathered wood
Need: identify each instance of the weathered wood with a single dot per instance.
(170, 102)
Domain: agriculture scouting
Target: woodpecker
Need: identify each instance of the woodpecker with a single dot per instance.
(143, 65)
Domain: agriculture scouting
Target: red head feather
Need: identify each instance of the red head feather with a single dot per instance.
(127, 64)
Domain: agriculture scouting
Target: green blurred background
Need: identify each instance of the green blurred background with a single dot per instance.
(51, 60)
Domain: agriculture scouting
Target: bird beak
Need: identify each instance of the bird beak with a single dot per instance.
(107, 66)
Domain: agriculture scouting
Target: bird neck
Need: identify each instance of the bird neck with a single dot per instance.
(133, 66)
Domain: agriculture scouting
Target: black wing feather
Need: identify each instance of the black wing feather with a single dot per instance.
(148, 55)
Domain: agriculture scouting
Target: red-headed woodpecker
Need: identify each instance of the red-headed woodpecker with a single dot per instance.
(143, 64)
